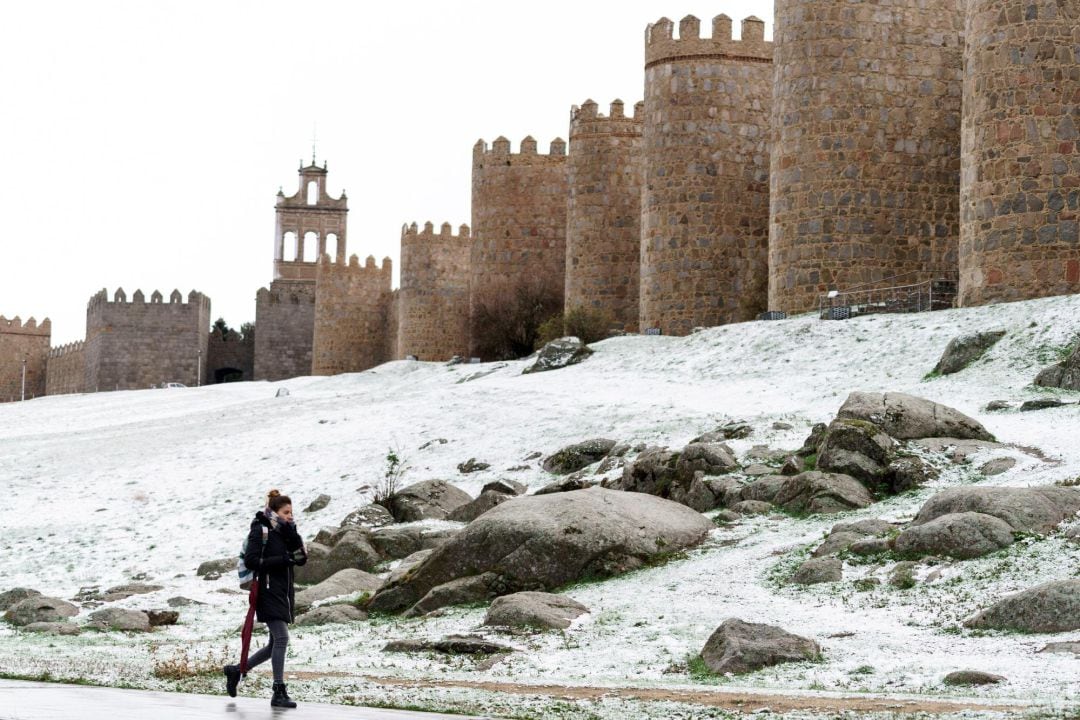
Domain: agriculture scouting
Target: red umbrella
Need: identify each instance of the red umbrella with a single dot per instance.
(249, 625)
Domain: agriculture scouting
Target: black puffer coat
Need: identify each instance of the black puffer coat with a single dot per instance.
(284, 548)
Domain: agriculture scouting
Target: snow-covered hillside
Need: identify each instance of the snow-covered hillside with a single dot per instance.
(101, 488)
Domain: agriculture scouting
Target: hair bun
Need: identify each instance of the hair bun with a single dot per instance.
(274, 494)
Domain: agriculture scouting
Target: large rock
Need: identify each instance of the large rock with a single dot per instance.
(707, 458)
(505, 486)
(331, 614)
(430, 499)
(1064, 375)
(907, 417)
(764, 489)
(857, 448)
(40, 608)
(460, 591)
(742, 647)
(544, 542)
(818, 492)
(534, 609)
(818, 570)
(369, 516)
(474, 509)
(318, 503)
(406, 564)
(14, 596)
(351, 550)
(577, 456)
(401, 541)
(343, 582)
(652, 472)
(656, 471)
(966, 349)
(1030, 510)
(214, 569)
(53, 628)
(958, 535)
(559, 354)
(120, 619)
(1050, 608)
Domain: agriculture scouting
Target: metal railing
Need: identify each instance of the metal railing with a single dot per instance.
(937, 292)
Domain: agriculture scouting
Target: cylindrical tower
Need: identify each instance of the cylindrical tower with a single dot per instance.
(866, 146)
(518, 221)
(433, 302)
(705, 203)
(1020, 183)
(603, 217)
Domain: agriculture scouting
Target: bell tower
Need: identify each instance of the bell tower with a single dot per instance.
(309, 224)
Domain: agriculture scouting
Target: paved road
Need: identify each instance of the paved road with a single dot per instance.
(49, 701)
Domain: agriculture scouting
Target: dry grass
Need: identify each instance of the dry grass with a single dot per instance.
(184, 662)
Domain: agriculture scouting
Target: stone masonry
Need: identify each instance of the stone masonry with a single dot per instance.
(705, 206)
(66, 369)
(350, 316)
(139, 344)
(21, 341)
(1020, 183)
(433, 310)
(866, 148)
(518, 215)
(603, 216)
(284, 329)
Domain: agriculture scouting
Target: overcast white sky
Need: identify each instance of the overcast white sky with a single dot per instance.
(144, 142)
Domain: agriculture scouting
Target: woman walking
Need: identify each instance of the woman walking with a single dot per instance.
(272, 564)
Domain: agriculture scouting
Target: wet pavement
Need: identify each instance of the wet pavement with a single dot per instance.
(49, 701)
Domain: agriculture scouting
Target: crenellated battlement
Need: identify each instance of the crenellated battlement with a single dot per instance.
(68, 349)
(500, 151)
(587, 120)
(412, 233)
(101, 298)
(15, 326)
(661, 45)
(294, 293)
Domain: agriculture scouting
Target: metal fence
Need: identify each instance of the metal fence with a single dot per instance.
(890, 296)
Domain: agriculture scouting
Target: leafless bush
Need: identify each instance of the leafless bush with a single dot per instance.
(507, 315)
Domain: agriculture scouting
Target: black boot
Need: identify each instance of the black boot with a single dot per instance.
(232, 679)
(281, 697)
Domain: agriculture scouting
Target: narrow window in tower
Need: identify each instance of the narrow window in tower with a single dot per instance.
(312, 193)
(311, 247)
(331, 246)
(289, 247)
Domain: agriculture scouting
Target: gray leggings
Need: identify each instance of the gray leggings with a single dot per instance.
(275, 651)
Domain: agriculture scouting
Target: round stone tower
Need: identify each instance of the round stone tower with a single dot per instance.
(866, 146)
(1020, 182)
(705, 203)
(603, 223)
(433, 302)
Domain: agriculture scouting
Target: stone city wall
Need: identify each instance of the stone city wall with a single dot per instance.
(140, 344)
(434, 295)
(1020, 184)
(866, 148)
(284, 326)
(705, 206)
(66, 369)
(350, 316)
(21, 341)
(603, 217)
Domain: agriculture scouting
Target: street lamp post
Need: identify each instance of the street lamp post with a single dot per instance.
(198, 377)
(23, 380)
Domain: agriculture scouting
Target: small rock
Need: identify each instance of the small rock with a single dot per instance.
(757, 470)
(216, 567)
(159, 618)
(471, 466)
(741, 647)
(406, 564)
(121, 620)
(818, 570)
(39, 608)
(727, 516)
(318, 503)
(120, 592)
(343, 582)
(15, 596)
(962, 536)
(567, 484)
(479, 506)
(903, 575)
(504, 486)
(559, 354)
(778, 425)
(435, 441)
(577, 456)
(973, 677)
(1049, 608)
(474, 588)
(998, 466)
(752, 507)
(450, 645)
(178, 601)
(1041, 404)
(282, 392)
(792, 466)
(53, 628)
(869, 546)
(534, 609)
(1062, 647)
(430, 499)
(331, 614)
(998, 405)
(966, 349)
(369, 516)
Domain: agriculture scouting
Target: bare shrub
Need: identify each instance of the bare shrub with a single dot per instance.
(587, 324)
(507, 315)
(182, 663)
